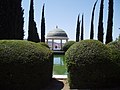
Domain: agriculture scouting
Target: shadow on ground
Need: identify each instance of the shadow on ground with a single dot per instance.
(60, 85)
(54, 85)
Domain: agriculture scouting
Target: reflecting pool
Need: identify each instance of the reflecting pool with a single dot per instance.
(59, 67)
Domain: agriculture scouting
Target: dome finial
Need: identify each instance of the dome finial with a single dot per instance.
(56, 26)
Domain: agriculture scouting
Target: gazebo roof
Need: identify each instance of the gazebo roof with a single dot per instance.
(57, 33)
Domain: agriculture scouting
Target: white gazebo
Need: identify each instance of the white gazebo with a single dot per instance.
(56, 34)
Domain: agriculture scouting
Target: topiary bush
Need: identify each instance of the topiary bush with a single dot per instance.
(89, 65)
(115, 48)
(44, 44)
(24, 65)
(67, 45)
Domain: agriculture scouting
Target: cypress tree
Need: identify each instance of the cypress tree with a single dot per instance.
(11, 19)
(19, 23)
(92, 20)
(3, 30)
(110, 22)
(32, 32)
(82, 28)
(100, 23)
(78, 29)
(43, 26)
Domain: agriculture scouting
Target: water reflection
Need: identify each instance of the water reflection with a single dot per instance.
(58, 60)
(59, 67)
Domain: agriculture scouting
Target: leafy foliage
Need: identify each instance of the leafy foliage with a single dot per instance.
(43, 26)
(82, 28)
(44, 44)
(92, 20)
(24, 65)
(32, 32)
(67, 45)
(115, 47)
(90, 65)
(78, 30)
(118, 39)
(100, 24)
(110, 22)
(11, 19)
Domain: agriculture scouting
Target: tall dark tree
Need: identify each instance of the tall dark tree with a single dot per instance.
(32, 32)
(109, 23)
(19, 32)
(82, 28)
(100, 23)
(78, 29)
(11, 19)
(3, 29)
(43, 26)
(92, 20)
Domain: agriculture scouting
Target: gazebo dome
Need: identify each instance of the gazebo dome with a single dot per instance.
(57, 33)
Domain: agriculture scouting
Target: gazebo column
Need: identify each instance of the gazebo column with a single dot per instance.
(66, 40)
(61, 43)
(47, 41)
(52, 44)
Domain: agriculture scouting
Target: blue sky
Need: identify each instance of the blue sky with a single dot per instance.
(63, 13)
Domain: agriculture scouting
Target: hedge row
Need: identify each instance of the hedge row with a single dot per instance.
(67, 45)
(90, 65)
(24, 65)
(115, 48)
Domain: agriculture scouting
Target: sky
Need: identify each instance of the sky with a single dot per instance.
(64, 13)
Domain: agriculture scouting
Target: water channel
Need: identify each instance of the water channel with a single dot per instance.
(59, 67)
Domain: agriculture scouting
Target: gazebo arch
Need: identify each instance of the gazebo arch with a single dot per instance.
(56, 34)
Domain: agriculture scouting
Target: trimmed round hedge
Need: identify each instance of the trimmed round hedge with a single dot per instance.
(44, 44)
(24, 65)
(89, 65)
(67, 45)
(115, 48)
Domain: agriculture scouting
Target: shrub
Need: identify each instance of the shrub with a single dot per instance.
(89, 65)
(67, 45)
(24, 65)
(115, 48)
(44, 44)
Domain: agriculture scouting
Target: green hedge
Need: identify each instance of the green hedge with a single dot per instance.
(44, 44)
(67, 45)
(90, 66)
(115, 47)
(24, 65)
